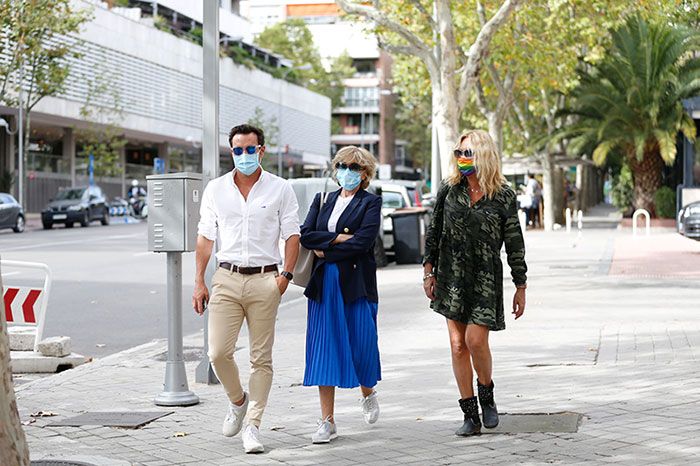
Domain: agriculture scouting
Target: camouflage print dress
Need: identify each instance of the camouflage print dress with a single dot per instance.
(464, 245)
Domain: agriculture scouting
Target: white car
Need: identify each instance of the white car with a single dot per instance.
(396, 194)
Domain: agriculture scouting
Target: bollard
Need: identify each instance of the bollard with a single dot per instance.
(568, 220)
(647, 222)
(522, 217)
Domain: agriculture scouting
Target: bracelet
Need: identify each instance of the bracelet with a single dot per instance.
(428, 275)
(521, 287)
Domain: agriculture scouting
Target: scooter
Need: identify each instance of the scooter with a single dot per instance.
(138, 207)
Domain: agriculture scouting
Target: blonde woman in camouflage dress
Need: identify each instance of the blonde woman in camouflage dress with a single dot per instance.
(475, 214)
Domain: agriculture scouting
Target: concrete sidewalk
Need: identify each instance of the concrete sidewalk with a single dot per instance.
(622, 351)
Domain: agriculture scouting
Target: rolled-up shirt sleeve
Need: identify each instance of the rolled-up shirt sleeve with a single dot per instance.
(208, 226)
(289, 213)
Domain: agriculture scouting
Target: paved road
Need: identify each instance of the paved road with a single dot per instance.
(620, 350)
(107, 290)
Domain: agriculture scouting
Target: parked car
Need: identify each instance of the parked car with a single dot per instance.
(412, 191)
(397, 194)
(76, 205)
(689, 221)
(305, 190)
(11, 213)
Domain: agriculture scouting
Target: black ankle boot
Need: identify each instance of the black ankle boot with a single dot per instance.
(472, 424)
(488, 407)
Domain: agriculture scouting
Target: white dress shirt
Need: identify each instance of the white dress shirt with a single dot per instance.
(341, 204)
(249, 231)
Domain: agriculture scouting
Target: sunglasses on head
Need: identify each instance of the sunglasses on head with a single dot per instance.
(464, 153)
(356, 167)
(249, 150)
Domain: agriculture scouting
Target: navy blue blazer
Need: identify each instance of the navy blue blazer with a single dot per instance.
(362, 218)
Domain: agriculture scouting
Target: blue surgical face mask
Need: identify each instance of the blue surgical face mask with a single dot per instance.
(348, 179)
(247, 163)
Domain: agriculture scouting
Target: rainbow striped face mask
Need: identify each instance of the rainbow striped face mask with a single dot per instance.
(465, 161)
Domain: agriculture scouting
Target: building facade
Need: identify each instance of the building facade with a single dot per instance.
(366, 116)
(146, 84)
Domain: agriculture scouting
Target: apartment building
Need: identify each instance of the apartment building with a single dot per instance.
(366, 117)
(157, 76)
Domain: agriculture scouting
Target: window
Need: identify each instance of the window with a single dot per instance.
(365, 66)
(361, 96)
(70, 194)
(392, 200)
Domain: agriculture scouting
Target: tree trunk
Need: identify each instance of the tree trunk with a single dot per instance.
(496, 130)
(13, 444)
(446, 121)
(548, 190)
(647, 179)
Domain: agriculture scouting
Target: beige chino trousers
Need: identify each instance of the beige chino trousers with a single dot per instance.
(236, 297)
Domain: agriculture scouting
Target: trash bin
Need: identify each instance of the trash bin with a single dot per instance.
(409, 235)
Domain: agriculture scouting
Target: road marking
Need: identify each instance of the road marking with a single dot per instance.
(78, 241)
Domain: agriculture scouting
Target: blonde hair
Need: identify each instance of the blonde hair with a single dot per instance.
(362, 157)
(487, 161)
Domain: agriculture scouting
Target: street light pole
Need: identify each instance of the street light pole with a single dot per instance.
(279, 126)
(20, 136)
(210, 146)
(362, 121)
(279, 113)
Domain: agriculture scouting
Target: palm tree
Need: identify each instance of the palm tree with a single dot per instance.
(632, 101)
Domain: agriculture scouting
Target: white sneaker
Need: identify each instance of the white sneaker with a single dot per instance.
(326, 431)
(234, 417)
(251, 440)
(370, 408)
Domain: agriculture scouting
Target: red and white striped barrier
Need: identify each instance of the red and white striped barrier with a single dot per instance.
(21, 304)
(26, 306)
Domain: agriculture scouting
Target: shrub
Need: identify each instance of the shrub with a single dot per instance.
(622, 191)
(665, 202)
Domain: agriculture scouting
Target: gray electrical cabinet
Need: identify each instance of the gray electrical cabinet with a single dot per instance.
(173, 211)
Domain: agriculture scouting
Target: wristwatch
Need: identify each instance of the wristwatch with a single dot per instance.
(287, 275)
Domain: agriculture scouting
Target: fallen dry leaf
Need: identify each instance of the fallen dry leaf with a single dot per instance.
(28, 421)
(276, 428)
(180, 434)
(43, 414)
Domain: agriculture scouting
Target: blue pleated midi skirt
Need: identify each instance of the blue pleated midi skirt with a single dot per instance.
(341, 339)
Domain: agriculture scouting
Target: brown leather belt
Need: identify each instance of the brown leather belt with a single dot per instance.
(248, 270)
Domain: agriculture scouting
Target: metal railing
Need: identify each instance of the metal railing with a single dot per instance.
(46, 291)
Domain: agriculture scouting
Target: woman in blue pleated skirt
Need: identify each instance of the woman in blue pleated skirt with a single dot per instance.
(341, 333)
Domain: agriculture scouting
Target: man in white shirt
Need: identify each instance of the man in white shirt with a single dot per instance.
(535, 192)
(249, 210)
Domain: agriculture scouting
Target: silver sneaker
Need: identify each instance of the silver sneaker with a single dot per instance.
(251, 439)
(370, 408)
(326, 431)
(234, 418)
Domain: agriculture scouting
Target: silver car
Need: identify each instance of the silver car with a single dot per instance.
(11, 213)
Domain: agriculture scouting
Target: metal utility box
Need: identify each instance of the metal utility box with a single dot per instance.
(173, 211)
